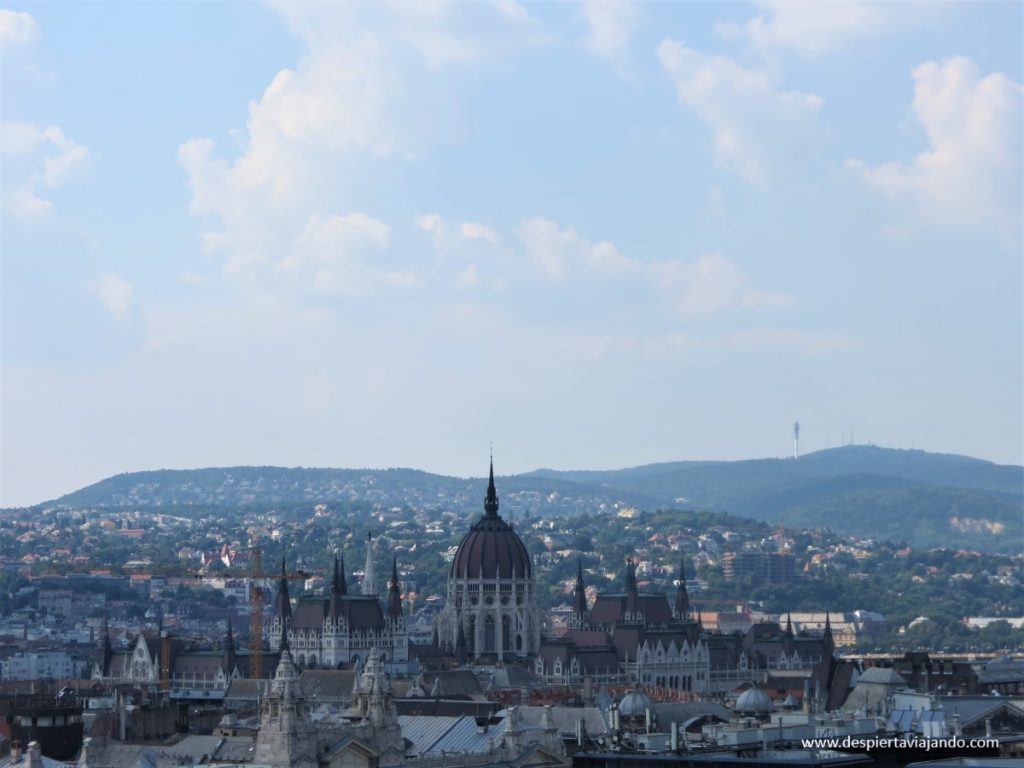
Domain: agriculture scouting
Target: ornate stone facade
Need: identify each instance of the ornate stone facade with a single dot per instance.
(327, 632)
(286, 736)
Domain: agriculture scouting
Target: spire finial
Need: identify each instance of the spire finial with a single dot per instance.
(491, 501)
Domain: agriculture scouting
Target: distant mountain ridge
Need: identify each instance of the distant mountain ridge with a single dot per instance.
(927, 499)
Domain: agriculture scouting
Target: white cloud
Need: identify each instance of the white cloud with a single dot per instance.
(60, 160)
(610, 26)
(757, 129)
(817, 28)
(17, 28)
(18, 138)
(472, 230)
(329, 255)
(468, 277)
(468, 239)
(442, 32)
(555, 251)
(27, 206)
(363, 88)
(811, 343)
(549, 246)
(116, 294)
(710, 284)
(69, 158)
(970, 173)
(713, 284)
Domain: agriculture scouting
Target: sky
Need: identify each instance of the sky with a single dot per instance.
(598, 234)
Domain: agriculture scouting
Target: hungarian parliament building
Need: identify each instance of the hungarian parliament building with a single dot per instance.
(492, 617)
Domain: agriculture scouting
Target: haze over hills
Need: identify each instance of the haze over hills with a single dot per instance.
(926, 499)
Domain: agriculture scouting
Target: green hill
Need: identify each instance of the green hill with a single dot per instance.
(926, 499)
(240, 486)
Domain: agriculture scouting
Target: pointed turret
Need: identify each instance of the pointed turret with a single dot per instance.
(789, 624)
(228, 662)
(491, 500)
(283, 644)
(283, 604)
(827, 634)
(394, 595)
(633, 612)
(334, 609)
(682, 606)
(106, 651)
(369, 581)
(579, 597)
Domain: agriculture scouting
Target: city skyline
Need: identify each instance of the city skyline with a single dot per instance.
(600, 234)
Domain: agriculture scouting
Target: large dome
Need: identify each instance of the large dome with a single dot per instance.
(491, 549)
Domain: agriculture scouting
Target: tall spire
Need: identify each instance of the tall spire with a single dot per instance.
(789, 624)
(633, 612)
(369, 581)
(491, 501)
(337, 589)
(228, 661)
(284, 639)
(394, 595)
(827, 634)
(105, 648)
(283, 606)
(682, 607)
(579, 598)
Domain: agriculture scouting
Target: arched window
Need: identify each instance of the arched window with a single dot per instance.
(489, 634)
(506, 633)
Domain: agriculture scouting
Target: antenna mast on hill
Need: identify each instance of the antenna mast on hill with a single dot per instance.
(796, 439)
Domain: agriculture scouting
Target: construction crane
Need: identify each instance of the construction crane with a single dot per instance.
(256, 608)
(257, 575)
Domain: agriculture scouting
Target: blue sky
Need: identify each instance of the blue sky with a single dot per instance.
(598, 234)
